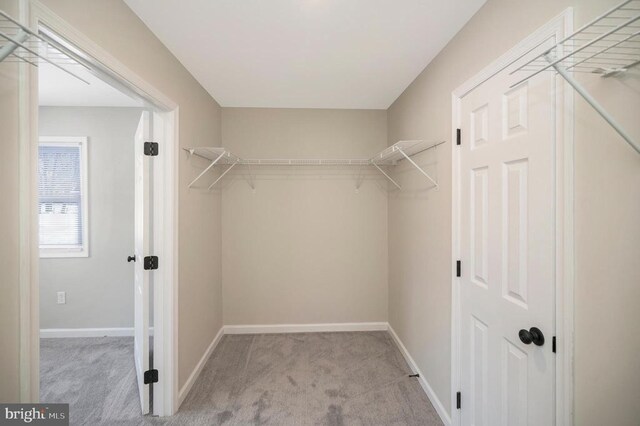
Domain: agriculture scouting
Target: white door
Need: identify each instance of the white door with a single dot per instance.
(507, 248)
(142, 233)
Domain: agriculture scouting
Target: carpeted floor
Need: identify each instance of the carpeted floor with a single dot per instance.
(95, 375)
(275, 379)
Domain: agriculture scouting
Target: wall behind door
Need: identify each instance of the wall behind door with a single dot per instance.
(99, 288)
(304, 247)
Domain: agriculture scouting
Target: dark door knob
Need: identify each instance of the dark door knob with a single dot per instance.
(131, 258)
(533, 335)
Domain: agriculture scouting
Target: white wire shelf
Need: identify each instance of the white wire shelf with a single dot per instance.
(19, 44)
(608, 45)
(387, 157)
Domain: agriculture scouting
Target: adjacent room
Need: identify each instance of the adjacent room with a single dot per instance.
(321, 212)
(86, 218)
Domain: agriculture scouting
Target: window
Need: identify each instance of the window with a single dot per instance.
(62, 192)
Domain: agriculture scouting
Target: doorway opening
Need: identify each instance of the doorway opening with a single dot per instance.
(100, 170)
(87, 210)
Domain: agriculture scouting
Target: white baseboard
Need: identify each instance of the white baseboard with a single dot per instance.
(48, 333)
(184, 391)
(86, 332)
(305, 328)
(437, 404)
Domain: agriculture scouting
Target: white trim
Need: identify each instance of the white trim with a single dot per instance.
(565, 267)
(564, 273)
(186, 388)
(305, 328)
(559, 24)
(437, 404)
(29, 228)
(167, 338)
(166, 248)
(455, 250)
(48, 333)
(171, 317)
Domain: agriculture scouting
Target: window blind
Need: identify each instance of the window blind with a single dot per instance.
(60, 196)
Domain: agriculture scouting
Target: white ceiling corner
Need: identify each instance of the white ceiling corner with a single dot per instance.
(305, 53)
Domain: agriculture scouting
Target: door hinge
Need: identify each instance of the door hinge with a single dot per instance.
(151, 262)
(151, 148)
(459, 400)
(553, 344)
(458, 136)
(150, 376)
(458, 268)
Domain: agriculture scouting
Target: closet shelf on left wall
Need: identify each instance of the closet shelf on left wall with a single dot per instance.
(388, 157)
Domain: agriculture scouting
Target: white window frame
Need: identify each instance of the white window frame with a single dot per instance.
(80, 141)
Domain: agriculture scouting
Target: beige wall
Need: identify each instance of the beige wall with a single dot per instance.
(9, 229)
(607, 226)
(304, 247)
(607, 207)
(113, 26)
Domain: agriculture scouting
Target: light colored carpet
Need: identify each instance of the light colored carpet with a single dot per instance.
(96, 376)
(296, 379)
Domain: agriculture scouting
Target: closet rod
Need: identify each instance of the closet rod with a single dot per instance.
(596, 105)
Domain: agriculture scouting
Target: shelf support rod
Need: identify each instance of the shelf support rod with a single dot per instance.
(33, 52)
(9, 48)
(388, 177)
(360, 178)
(418, 167)
(222, 175)
(205, 170)
(591, 101)
(252, 184)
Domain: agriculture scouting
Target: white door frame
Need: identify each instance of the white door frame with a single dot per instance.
(558, 27)
(165, 234)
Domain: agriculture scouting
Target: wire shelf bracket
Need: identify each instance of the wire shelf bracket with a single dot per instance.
(403, 150)
(609, 45)
(217, 156)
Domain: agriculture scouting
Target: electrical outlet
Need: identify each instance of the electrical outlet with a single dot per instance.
(62, 298)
